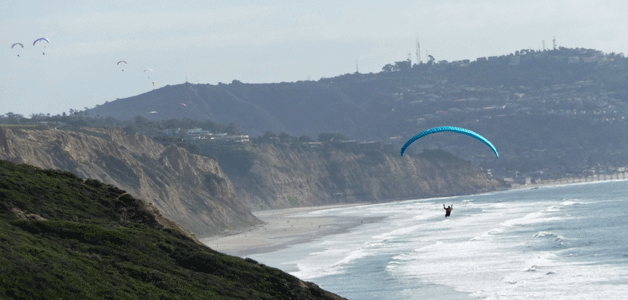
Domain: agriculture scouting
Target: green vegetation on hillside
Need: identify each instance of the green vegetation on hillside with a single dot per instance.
(65, 238)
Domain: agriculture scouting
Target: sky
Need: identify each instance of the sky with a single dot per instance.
(264, 41)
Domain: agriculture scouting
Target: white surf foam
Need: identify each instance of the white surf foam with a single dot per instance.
(488, 249)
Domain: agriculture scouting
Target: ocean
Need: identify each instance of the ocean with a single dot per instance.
(554, 242)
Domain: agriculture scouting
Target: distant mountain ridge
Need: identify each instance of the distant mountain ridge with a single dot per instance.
(580, 92)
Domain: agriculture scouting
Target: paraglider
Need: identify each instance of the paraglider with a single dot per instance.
(122, 61)
(40, 40)
(448, 210)
(449, 129)
(148, 70)
(17, 44)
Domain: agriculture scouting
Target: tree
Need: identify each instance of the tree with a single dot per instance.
(305, 139)
(14, 118)
(284, 137)
(388, 68)
(39, 116)
(268, 136)
(232, 129)
(431, 60)
(140, 120)
(403, 65)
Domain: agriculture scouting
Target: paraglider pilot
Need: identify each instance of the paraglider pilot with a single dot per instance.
(448, 210)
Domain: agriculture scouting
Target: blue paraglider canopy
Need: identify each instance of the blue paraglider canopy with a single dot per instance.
(449, 129)
(41, 39)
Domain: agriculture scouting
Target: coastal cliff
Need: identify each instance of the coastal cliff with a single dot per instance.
(284, 177)
(189, 189)
(192, 190)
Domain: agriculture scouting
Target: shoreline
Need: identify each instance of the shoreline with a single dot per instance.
(285, 227)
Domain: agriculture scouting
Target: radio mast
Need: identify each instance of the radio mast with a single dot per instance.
(418, 50)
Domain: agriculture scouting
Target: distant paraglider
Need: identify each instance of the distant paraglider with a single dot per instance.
(41, 40)
(122, 61)
(17, 44)
(148, 70)
(449, 129)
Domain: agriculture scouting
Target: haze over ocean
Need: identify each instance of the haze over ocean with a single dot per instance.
(557, 242)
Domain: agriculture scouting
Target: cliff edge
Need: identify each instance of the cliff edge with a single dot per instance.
(189, 189)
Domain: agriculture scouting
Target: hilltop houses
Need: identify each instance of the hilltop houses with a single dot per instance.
(199, 133)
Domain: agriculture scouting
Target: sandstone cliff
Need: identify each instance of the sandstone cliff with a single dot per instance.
(283, 177)
(189, 189)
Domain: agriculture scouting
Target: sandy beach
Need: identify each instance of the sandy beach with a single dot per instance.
(282, 228)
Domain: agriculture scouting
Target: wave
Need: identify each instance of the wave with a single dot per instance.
(330, 262)
(546, 234)
(568, 202)
(559, 239)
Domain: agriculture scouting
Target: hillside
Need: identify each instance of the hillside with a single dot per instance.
(550, 113)
(189, 189)
(63, 237)
(256, 108)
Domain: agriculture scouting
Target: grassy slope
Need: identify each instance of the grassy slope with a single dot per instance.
(65, 238)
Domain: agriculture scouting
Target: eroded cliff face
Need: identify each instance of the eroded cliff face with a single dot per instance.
(282, 177)
(186, 188)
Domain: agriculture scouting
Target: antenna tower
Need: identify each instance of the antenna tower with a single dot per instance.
(356, 67)
(418, 50)
(554, 41)
(543, 45)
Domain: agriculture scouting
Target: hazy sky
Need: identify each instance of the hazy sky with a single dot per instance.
(264, 41)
